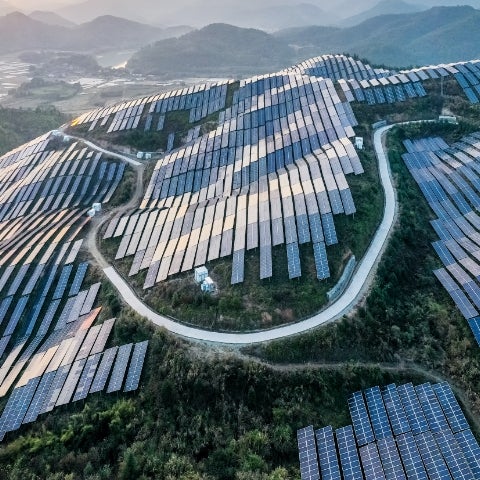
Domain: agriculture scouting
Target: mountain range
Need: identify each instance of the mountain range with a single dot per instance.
(437, 35)
(21, 32)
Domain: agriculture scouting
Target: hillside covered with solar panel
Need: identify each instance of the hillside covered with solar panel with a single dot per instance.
(250, 169)
(234, 207)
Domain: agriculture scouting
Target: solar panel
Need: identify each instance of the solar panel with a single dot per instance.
(378, 414)
(70, 383)
(396, 414)
(327, 454)
(307, 454)
(136, 366)
(238, 267)
(372, 465)
(56, 387)
(321, 261)
(361, 422)
(432, 457)
(86, 378)
(103, 370)
(119, 369)
(392, 465)
(411, 458)
(453, 456)
(431, 408)
(347, 449)
(293, 259)
(102, 337)
(455, 417)
(78, 279)
(39, 397)
(412, 408)
(475, 327)
(470, 449)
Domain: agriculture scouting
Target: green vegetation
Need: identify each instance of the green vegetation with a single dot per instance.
(408, 316)
(20, 126)
(217, 49)
(397, 40)
(46, 90)
(196, 416)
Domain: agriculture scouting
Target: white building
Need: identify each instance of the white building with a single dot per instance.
(97, 207)
(201, 273)
(140, 155)
(91, 213)
(208, 286)
(359, 143)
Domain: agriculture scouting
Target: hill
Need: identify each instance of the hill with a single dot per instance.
(398, 39)
(51, 18)
(219, 48)
(385, 7)
(22, 32)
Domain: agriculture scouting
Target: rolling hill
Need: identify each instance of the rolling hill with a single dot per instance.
(398, 39)
(51, 18)
(22, 32)
(217, 49)
(385, 7)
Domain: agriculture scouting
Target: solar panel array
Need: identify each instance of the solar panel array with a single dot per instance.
(400, 433)
(273, 172)
(449, 178)
(43, 177)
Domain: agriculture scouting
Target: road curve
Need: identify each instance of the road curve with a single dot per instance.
(118, 156)
(359, 285)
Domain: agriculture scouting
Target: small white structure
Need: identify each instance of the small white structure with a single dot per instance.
(92, 212)
(201, 273)
(359, 143)
(208, 286)
(148, 156)
(448, 119)
(97, 207)
(140, 155)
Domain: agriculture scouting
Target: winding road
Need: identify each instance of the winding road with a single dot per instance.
(352, 296)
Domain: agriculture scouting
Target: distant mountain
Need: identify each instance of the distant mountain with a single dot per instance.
(282, 16)
(265, 14)
(51, 18)
(437, 35)
(385, 7)
(21, 32)
(217, 49)
(6, 8)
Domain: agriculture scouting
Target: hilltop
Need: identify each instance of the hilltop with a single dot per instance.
(22, 32)
(219, 48)
(398, 39)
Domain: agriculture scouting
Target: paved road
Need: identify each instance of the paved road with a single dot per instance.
(358, 287)
(119, 156)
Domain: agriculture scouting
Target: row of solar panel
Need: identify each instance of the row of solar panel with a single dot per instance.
(73, 382)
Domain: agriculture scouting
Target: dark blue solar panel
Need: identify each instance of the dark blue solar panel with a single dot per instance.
(361, 422)
(321, 261)
(396, 414)
(347, 449)
(455, 417)
(307, 454)
(431, 408)
(293, 258)
(432, 457)
(475, 326)
(378, 414)
(372, 465)
(412, 461)
(453, 456)
(412, 408)
(470, 449)
(392, 465)
(327, 454)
